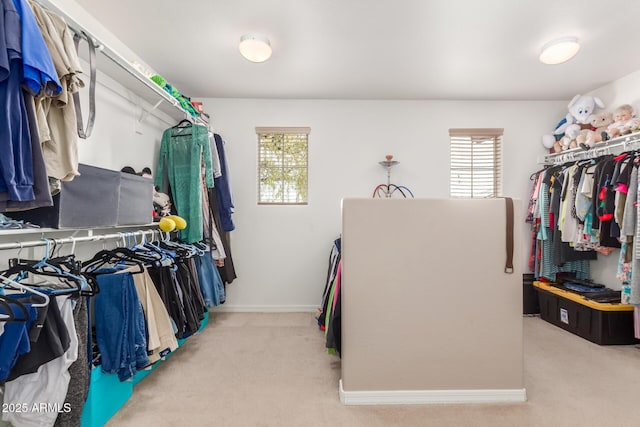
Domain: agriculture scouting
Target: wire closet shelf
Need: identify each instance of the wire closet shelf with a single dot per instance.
(613, 146)
(127, 238)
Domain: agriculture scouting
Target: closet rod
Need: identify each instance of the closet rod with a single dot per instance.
(115, 57)
(60, 241)
(613, 146)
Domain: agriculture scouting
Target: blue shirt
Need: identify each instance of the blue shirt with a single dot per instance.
(39, 71)
(14, 341)
(16, 161)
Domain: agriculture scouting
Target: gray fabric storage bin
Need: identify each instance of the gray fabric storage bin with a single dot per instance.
(90, 200)
(135, 204)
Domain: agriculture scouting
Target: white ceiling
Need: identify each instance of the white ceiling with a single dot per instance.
(364, 49)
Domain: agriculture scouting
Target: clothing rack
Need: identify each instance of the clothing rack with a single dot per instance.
(613, 146)
(122, 63)
(73, 240)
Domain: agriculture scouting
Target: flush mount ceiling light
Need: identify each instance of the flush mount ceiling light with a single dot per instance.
(559, 50)
(255, 47)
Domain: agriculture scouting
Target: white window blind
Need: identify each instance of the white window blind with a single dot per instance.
(283, 165)
(476, 163)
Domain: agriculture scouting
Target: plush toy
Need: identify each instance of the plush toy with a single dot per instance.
(624, 123)
(600, 121)
(161, 204)
(564, 143)
(580, 109)
(161, 201)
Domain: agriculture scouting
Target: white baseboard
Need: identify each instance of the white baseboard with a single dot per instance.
(265, 308)
(412, 397)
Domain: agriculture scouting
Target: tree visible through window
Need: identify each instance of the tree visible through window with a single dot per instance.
(476, 167)
(283, 165)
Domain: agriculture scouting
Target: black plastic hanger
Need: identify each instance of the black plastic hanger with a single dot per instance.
(184, 123)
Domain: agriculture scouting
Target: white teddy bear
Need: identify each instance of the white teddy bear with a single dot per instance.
(580, 109)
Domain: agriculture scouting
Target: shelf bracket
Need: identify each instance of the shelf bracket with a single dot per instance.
(146, 113)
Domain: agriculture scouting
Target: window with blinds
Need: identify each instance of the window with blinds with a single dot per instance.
(476, 163)
(283, 165)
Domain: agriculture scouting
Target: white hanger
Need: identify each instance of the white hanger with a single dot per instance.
(27, 289)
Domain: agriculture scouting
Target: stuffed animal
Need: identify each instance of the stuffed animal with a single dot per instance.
(600, 121)
(161, 204)
(161, 201)
(580, 109)
(624, 123)
(564, 143)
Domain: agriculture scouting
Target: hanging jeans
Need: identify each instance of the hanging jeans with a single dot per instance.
(120, 326)
(210, 282)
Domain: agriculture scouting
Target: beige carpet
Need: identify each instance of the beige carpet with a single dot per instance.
(256, 369)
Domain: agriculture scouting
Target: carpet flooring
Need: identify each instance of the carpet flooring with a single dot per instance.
(271, 369)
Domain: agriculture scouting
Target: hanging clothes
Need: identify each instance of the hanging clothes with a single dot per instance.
(49, 383)
(334, 259)
(15, 340)
(211, 285)
(40, 76)
(25, 62)
(16, 173)
(42, 195)
(211, 232)
(79, 370)
(120, 325)
(333, 330)
(227, 271)
(182, 151)
(161, 337)
(223, 188)
(57, 115)
(548, 213)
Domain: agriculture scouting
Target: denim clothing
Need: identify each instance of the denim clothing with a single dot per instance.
(211, 284)
(120, 325)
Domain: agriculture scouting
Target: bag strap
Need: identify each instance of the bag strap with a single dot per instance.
(508, 268)
(82, 132)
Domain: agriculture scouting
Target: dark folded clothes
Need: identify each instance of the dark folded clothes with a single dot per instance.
(602, 294)
(605, 296)
(580, 288)
(584, 282)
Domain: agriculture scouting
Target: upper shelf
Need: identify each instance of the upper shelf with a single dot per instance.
(122, 71)
(613, 146)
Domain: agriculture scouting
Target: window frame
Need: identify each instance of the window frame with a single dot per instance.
(261, 131)
(457, 136)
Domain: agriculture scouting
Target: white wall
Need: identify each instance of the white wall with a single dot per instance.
(119, 139)
(281, 252)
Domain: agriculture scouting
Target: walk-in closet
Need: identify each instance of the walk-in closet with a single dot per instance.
(285, 213)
